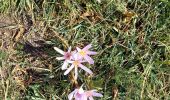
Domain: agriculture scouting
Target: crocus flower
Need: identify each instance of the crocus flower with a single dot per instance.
(92, 93)
(85, 53)
(77, 60)
(80, 94)
(66, 56)
(77, 94)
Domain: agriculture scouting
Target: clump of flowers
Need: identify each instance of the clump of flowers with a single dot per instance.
(77, 63)
(80, 94)
(76, 59)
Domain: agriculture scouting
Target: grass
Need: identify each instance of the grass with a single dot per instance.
(131, 37)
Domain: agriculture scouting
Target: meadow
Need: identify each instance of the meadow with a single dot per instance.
(131, 38)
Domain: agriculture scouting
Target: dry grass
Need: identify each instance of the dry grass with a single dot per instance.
(131, 37)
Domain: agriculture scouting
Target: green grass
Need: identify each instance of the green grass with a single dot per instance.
(132, 40)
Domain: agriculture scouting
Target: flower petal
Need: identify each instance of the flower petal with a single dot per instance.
(97, 94)
(87, 47)
(60, 58)
(74, 52)
(91, 53)
(69, 69)
(89, 59)
(70, 96)
(69, 49)
(85, 69)
(84, 97)
(76, 73)
(59, 50)
(82, 61)
(76, 57)
(91, 98)
(69, 61)
(78, 49)
(64, 66)
(80, 96)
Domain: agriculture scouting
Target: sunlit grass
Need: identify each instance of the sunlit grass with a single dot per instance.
(132, 40)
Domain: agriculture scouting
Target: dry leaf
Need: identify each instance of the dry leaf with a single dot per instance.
(19, 34)
(20, 76)
(91, 16)
(128, 15)
(114, 92)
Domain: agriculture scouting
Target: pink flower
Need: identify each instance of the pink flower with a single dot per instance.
(85, 53)
(92, 93)
(77, 94)
(77, 60)
(80, 94)
(66, 56)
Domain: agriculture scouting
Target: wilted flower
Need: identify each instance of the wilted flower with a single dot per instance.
(66, 56)
(85, 53)
(77, 60)
(92, 93)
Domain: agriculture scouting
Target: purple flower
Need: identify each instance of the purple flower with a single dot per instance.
(80, 94)
(77, 94)
(92, 93)
(85, 53)
(77, 60)
(66, 56)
